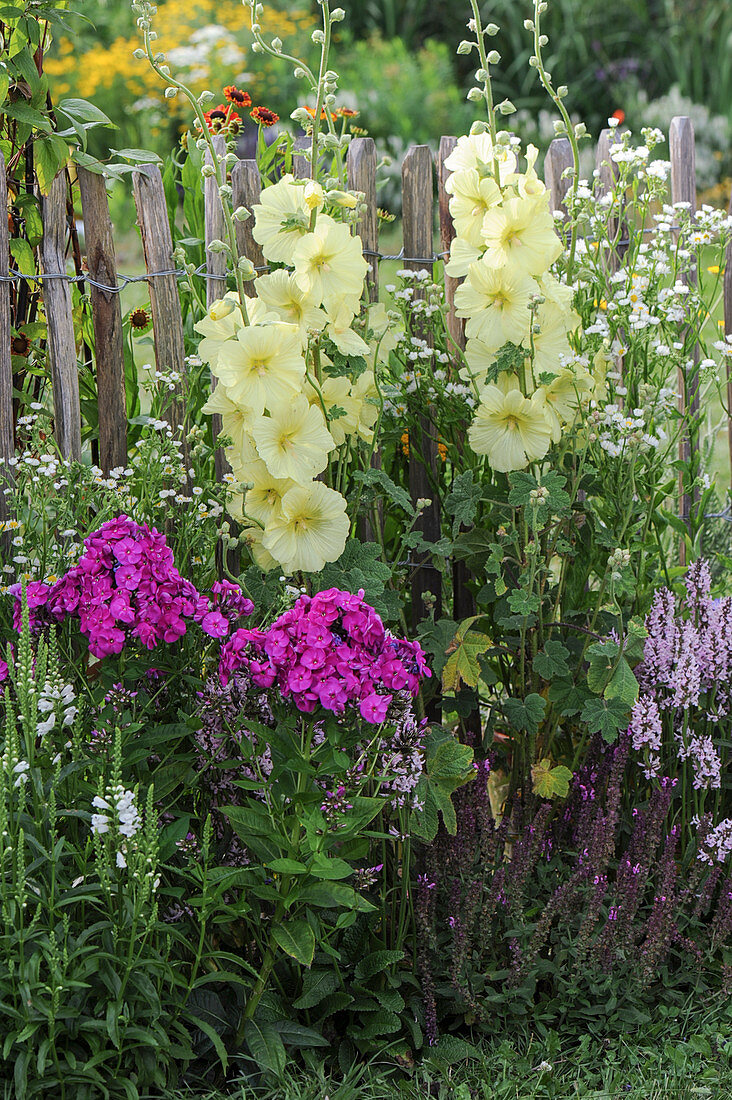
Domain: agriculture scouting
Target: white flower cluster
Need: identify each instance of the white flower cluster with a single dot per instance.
(120, 816)
(58, 704)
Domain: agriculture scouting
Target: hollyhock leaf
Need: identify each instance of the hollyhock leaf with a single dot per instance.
(605, 717)
(602, 657)
(525, 714)
(552, 661)
(424, 823)
(297, 939)
(549, 782)
(521, 486)
(462, 501)
(623, 686)
(451, 762)
(376, 478)
(462, 663)
(523, 603)
(316, 986)
(444, 804)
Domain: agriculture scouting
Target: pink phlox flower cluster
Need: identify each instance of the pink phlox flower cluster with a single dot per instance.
(330, 650)
(126, 587)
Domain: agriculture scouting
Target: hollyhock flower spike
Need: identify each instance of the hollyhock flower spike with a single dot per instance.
(331, 649)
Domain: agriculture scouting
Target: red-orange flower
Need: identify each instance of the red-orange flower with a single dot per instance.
(222, 118)
(619, 115)
(264, 116)
(323, 113)
(237, 96)
(347, 112)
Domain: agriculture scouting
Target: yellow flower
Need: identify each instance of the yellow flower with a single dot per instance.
(311, 529)
(462, 255)
(561, 398)
(472, 198)
(329, 262)
(496, 304)
(253, 536)
(335, 393)
(479, 357)
(264, 500)
(281, 294)
(477, 151)
(281, 218)
(340, 317)
(263, 367)
(551, 340)
(385, 330)
(364, 392)
(520, 234)
(223, 321)
(236, 420)
(511, 430)
(314, 195)
(293, 442)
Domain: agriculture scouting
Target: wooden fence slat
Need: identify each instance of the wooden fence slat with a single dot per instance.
(558, 158)
(301, 168)
(157, 246)
(417, 215)
(107, 321)
(727, 331)
(608, 173)
(683, 189)
(213, 214)
(61, 337)
(246, 187)
(455, 324)
(361, 169)
(7, 428)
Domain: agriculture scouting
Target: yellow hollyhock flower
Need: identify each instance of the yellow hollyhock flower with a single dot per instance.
(551, 340)
(385, 330)
(509, 429)
(253, 537)
(562, 397)
(341, 312)
(496, 304)
(293, 441)
(263, 366)
(282, 295)
(223, 321)
(236, 420)
(462, 255)
(335, 393)
(477, 151)
(556, 293)
(479, 358)
(365, 394)
(310, 530)
(264, 499)
(329, 262)
(527, 183)
(472, 198)
(281, 218)
(520, 234)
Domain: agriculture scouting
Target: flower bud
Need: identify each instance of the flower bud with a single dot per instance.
(246, 269)
(208, 170)
(493, 57)
(528, 24)
(171, 93)
(580, 130)
(217, 246)
(345, 199)
(221, 308)
(543, 40)
(138, 54)
(277, 45)
(506, 107)
(492, 29)
(337, 15)
(464, 47)
(318, 37)
(559, 127)
(475, 95)
(241, 214)
(313, 195)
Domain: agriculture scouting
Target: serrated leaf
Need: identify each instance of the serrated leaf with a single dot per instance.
(549, 782)
(569, 697)
(525, 714)
(451, 761)
(552, 661)
(462, 666)
(377, 478)
(376, 962)
(265, 1046)
(606, 717)
(316, 986)
(522, 485)
(462, 501)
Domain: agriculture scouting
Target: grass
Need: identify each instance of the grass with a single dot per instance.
(681, 1055)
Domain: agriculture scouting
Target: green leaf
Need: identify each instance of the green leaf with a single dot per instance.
(606, 717)
(549, 782)
(525, 714)
(569, 697)
(287, 866)
(23, 257)
(84, 112)
(523, 603)
(376, 478)
(266, 1046)
(50, 154)
(462, 665)
(462, 501)
(332, 895)
(297, 939)
(316, 986)
(330, 869)
(25, 114)
(552, 661)
(623, 686)
(451, 761)
(376, 962)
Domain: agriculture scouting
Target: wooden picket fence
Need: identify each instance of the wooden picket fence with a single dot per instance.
(418, 252)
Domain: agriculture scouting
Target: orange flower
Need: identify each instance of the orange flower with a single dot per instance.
(237, 96)
(442, 451)
(263, 116)
(323, 114)
(222, 118)
(405, 444)
(346, 112)
(619, 115)
(140, 318)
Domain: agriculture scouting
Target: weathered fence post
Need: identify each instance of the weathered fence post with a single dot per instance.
(557, 160)
(157, 246)
(246, 187)
(361, 169)
(61, 337)
(417, 215)
(301, 168)
(7, 427)
(106, 319)
(683, 189)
